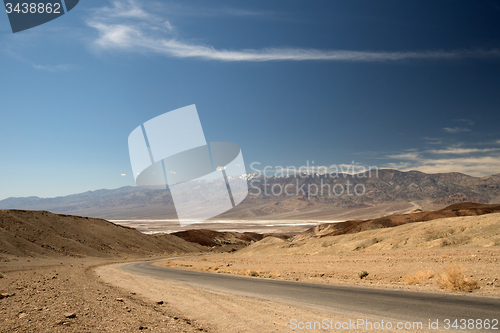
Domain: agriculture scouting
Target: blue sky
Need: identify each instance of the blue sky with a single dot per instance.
(399, 84)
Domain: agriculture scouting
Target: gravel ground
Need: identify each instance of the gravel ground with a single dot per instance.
(65, 295)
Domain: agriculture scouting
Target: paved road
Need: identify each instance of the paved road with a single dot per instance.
(386, 304)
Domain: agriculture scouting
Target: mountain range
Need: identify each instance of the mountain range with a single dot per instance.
(297, 197)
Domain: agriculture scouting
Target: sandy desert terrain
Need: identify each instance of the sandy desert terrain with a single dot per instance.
(59, 273)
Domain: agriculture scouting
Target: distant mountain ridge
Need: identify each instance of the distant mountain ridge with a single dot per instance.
(386, 187)
(123, 194)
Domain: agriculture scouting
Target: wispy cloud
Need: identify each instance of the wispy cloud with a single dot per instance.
(473, 166)
(53, 68)
(126, 26)
(9, 51)
(456, 129)
(461, 151)
(404, 156)
(182, 9)
(124, 9)
(467, 121)
(471, 161)
(433, 141)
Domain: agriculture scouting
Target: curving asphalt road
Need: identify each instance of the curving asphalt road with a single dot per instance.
(400, 305)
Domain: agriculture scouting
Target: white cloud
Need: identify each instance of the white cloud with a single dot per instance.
(53, 68)
(471, 161)
(127, 27)
(127, 9)
(7, 50)
(467, 121)
(456, 129)
(208, 9)
(433, 141)
(405, 156)
(474, 166)
(461, 151)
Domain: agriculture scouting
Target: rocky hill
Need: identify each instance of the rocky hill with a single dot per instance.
(214, 238)
(355, 226)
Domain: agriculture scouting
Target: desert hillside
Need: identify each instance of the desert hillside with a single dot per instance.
(40, 233)
(453, 232)
(348, 227)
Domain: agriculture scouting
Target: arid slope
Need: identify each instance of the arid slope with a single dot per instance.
(354, 226)
(40, 233)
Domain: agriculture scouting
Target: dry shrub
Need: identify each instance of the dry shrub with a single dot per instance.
(1, 276)
(273, 275)
(362, 274)
(453, 278)
(168, 263)
(253, 273)
(268, 275)
(244, 272)
(418, 277)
